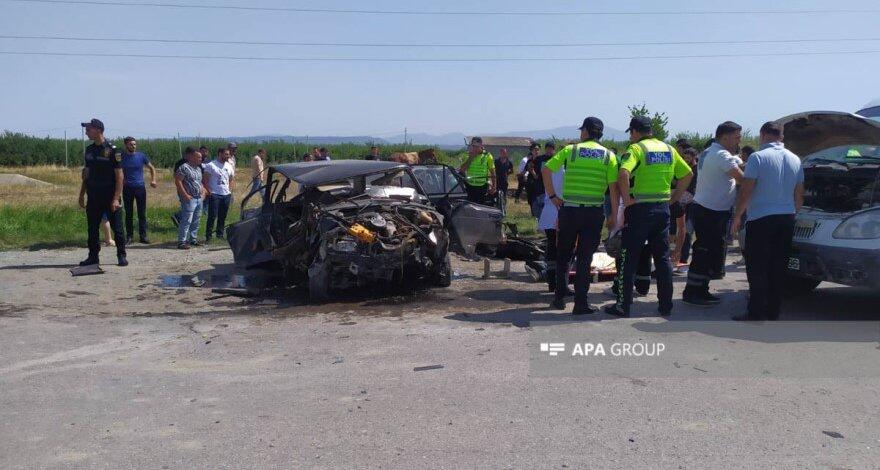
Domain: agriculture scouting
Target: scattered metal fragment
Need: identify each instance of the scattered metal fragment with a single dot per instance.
(422, 368)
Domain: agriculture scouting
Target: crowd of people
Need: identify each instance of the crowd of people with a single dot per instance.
(669, 204)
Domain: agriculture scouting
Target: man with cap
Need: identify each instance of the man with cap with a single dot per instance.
(590, 170)
(479, 169)
(652, 164)
(101, 191)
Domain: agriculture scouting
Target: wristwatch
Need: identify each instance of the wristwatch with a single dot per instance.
(553, 197)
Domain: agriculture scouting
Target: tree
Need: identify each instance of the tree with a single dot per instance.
(658, 120)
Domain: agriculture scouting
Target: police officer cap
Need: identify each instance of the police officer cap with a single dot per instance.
(476, 141)
(593, 124)
(640, 124)
(95, 123)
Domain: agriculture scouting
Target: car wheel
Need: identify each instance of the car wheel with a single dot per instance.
(443, 274)
(800, 285)
(319, 282)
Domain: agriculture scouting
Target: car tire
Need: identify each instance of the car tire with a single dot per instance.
(800, 285)
(443, 274)
(319, 282)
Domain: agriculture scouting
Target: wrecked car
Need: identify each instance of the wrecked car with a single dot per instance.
(837, 232)
(336, 225)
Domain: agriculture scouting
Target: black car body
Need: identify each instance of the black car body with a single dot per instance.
(334, 225)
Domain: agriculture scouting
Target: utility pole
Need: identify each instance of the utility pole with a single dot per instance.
(66, 164)
(179, 148)
(405, 141)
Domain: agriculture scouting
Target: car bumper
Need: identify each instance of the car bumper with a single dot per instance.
(848, 266)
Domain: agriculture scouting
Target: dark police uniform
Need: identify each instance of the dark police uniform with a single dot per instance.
(653, 165)
(101, 162)
(589, 170)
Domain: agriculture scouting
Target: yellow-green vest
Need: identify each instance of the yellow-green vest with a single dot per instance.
(586, 174)
(478, 173)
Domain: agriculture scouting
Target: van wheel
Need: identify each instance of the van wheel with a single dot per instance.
(800, 285)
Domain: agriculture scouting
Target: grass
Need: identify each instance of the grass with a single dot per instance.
(49, 217)
(38, 218)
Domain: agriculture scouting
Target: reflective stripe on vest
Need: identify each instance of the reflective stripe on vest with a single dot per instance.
(653, 178)
(478, 171)
(586, 174)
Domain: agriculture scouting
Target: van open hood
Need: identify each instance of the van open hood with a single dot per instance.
(814, 131)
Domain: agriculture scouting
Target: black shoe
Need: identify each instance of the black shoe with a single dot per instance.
(145, 240)
(585, 309)
(207, 240)
(195, 243)
(182, 246)
(88, 261)
(122, 261)
(713, 298)
(696, 301)
(665, 314)
(615, 311)
(558, 304)
(220, 236)
(128, 240)
(175, 219)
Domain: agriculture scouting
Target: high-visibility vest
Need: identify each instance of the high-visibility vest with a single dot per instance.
(589, 169)
(654, 169)
(478, 172)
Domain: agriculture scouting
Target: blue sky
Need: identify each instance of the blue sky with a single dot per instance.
(152, 97)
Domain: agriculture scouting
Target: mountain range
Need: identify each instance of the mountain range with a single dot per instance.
(448, 140)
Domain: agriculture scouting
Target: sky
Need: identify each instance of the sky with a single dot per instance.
(153, 97)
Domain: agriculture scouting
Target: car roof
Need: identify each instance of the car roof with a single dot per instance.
(316, 173)
(814, 131)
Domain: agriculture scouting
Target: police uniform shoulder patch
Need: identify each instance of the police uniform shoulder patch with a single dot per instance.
(106, 152)
(118, 157)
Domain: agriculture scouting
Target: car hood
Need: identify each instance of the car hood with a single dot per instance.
(317, 173)
(814, 131)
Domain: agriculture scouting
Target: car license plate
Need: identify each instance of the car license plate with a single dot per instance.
(794, 264)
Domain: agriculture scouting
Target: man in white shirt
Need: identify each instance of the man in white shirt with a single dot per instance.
(718, 174)
(219, 180)
(258, 163)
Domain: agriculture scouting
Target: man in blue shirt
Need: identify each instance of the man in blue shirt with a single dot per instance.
(134, 189)
(771, 193)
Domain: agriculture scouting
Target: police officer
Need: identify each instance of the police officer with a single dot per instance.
(479, 168)
(590, 170)
(652, 164)
(102, 182)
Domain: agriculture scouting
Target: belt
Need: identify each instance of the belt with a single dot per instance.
(571, 204)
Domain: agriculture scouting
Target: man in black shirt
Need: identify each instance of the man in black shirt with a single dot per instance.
(503, 169)
(102, 183)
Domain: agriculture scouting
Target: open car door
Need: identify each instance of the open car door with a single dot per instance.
(469, 224)
(250, 238)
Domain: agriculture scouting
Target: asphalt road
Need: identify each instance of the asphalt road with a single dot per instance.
(116, 371)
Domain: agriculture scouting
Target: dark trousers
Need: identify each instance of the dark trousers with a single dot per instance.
(131, 195)
(550, 259)
(581, 225)
(685, 249)
(646, 221)
(642, 279)
(768, 244)
(520, 187)
(218, 207)
(709, 249)
(477, 194)
(98, 204)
